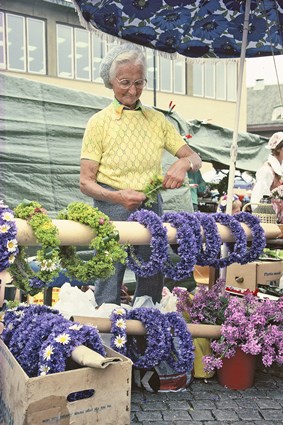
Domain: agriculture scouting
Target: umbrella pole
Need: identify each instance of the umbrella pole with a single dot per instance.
(234, 146)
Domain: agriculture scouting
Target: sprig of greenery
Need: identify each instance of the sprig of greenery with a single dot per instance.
(152, 189)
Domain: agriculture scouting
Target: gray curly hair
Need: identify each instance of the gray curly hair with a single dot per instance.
(119, 55)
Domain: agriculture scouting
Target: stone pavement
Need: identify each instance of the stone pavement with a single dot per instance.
(206, 402)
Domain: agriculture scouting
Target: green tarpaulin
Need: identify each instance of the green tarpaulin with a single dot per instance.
(41, 130)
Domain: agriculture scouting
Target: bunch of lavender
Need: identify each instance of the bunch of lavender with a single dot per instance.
(255, 326)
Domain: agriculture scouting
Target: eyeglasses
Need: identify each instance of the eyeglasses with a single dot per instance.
(126, 84)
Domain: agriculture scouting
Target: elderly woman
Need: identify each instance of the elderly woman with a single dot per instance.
(121, 152)
(269, 176)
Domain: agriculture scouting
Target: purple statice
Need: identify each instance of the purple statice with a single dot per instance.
(181, 355)
(147, 352)
(158, 245)
(8, 232)
(212, 240)
(240, 245)
(258, 237)
(36, 283)
(119, 330)
(42, 340)
(187, 250)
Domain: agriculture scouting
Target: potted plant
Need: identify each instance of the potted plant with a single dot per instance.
(250, 327)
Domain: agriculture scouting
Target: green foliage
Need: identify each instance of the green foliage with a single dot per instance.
(152, 189)
(105, 244)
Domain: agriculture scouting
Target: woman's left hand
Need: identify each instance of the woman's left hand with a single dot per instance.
(174, 178)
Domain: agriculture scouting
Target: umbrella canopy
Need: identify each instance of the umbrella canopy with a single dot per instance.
(200, 28)
(211, 28)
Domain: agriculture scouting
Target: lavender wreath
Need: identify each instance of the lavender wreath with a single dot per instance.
(118, 330)
(210, 249)
(258, 240)
(8, 243)
(58, 347)
(158, 245)
(181, 355)
(147, 352)
(187, 247)
(240, 240)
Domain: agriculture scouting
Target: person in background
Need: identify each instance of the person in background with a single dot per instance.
(122, 151)
(236, 204)
(199, 190)
(269, 175)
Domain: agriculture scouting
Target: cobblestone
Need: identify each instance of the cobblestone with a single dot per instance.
(206, 402)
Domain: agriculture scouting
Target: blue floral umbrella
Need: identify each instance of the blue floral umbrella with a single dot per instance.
(194, 28)
(211, 28)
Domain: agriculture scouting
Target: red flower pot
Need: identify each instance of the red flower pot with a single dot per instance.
(237, 373)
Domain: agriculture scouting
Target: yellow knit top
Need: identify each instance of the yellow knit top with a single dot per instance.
(128, 145)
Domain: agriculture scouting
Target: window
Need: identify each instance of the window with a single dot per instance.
(215, 80)
(220, 77)
(79, 53)
(98, 53)
(36, 46)
(179, 76)
(16, 52)
(2, 44)
(209, 77)
(82, 54)
(65, 63)
(231, 81)
(165, 74)
(24, 44)
(198, 79)
(152, 67)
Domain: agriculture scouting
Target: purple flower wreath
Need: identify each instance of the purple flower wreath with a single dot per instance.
(118, 330)
(158, 245)
(8, 243)
(258, 237)
(148, 352)
(181, 355)
(188, 246)
(213, 242)
(166, 339)
(42, 340)
(240, 240)
(64, 338)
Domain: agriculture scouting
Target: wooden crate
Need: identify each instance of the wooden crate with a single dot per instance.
(43, 400)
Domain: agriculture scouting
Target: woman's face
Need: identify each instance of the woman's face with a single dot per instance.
(280, 155)
(131, 72)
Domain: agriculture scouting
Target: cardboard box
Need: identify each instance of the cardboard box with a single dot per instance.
(249, 276)
(43, 400)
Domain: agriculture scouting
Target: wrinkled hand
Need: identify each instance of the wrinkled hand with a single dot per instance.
(131, 199)
(174, 178)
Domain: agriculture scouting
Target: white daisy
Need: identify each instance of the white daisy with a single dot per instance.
(120, 323)
(12, 245)
(49, 350)
(63, 338)
(119, 341)
(4, 228)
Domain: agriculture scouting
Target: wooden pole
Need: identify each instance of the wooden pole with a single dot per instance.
(135, 327)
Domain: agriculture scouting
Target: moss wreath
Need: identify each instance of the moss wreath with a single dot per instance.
(105, 245)
(52, 257)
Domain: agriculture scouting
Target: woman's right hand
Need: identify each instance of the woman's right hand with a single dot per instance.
(131, 199)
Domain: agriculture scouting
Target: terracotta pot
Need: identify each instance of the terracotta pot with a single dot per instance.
(237, 373)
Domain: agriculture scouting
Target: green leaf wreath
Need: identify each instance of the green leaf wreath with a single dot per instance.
(105, 244)
(52, 257)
